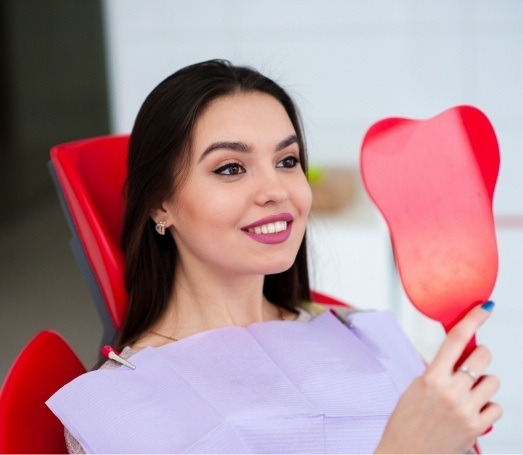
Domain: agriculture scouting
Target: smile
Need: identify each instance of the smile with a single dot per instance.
(269, 228)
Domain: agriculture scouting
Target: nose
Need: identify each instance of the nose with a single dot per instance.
(270, 188)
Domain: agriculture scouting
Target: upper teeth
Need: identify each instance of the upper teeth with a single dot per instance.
(270, 228)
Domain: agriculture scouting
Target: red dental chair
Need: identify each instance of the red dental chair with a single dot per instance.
(89, 176)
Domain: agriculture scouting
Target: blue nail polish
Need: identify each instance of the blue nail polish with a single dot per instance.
(488, 305)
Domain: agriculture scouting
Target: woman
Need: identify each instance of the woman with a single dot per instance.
(214, 238)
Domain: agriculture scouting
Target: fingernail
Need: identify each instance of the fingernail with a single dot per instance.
(488, 305)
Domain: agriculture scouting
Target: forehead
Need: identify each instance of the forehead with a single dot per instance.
(248, 117)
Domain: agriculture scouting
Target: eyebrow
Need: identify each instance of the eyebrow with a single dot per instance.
(243, 147)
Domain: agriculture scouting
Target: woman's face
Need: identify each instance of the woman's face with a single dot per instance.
(244, 206)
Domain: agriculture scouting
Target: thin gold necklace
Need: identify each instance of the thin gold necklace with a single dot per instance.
(162, 335)
(280, 315)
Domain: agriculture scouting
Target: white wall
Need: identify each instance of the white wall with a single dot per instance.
(350, 63)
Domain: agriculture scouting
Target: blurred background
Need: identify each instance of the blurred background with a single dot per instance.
(72, 69)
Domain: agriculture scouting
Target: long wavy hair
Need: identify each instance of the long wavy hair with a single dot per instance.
(159, 157)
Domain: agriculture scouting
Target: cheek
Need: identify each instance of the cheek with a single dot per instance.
(210, 210)
(303, 196)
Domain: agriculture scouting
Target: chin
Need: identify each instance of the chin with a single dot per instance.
(279, 267)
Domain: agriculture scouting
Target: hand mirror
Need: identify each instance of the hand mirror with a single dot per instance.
(433, 181)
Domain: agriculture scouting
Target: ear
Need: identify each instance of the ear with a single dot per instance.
(162, 214)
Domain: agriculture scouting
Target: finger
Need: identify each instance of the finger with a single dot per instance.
(474, 366)
(490, 413)
(458, 337)
(485, 389)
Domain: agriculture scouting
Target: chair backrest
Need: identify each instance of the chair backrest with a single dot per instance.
(90, 175)
(26, 423)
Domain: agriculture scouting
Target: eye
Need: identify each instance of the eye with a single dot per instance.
(230, 169)
(288, 162)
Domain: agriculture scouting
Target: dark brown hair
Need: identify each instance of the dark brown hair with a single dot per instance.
(158, 162)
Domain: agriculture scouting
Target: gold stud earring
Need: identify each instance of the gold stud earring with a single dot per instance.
(160, 227)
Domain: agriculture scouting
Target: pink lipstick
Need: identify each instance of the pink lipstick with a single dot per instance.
(271, 229)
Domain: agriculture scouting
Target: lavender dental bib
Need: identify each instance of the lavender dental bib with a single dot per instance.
(274, 387)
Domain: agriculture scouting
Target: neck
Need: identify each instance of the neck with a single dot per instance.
(203, 301)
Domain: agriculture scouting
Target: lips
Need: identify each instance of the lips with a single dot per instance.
(271, 229)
